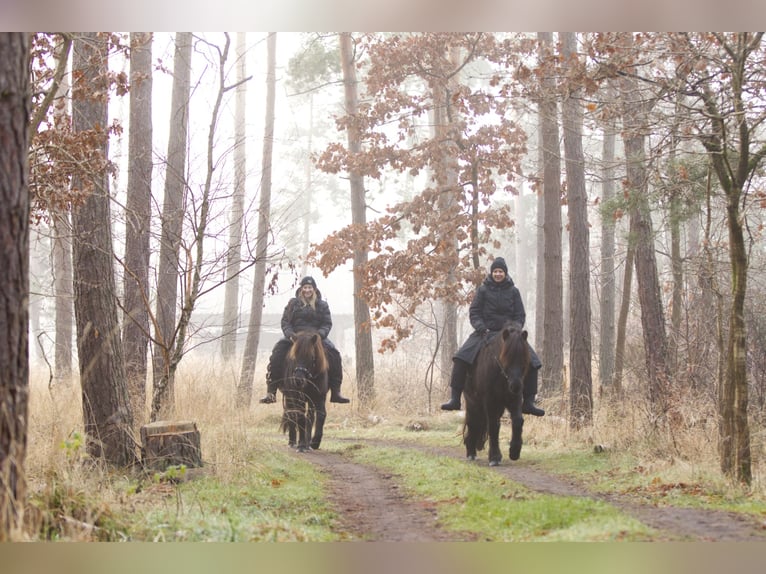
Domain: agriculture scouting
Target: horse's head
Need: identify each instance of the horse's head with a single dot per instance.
(514, 356)
(307, 355)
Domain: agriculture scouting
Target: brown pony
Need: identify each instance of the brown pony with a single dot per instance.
(304, 391)
(495, 384)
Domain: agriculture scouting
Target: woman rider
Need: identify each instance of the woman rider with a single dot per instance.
(307, 311)
(497, 301)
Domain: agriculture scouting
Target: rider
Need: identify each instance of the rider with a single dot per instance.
(306, 311)
(497, 301)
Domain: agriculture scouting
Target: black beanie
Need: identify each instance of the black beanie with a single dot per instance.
(308, 281)
(499, 263)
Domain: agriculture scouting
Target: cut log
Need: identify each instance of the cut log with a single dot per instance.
(170, 443)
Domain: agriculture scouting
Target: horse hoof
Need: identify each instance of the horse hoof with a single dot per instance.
(470, 457)
(515, 452)
(314, 446)
(494, 463)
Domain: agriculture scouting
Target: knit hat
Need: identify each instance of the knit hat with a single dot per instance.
(308, 280)
(499, 263)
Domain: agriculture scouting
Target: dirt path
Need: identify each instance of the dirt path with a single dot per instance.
(371, 506)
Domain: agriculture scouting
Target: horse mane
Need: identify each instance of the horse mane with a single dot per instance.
(307, 345)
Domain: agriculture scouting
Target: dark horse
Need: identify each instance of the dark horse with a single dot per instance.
(304, 391)
(494, 385)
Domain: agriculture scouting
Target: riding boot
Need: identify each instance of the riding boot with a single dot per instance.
(335, 396)
(271, 392)
(528, 406)
(271, 386)
(456, 385)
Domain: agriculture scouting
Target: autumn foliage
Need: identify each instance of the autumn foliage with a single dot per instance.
(436, 108)
(56, 152)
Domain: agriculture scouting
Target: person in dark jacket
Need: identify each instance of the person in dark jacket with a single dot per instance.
(307, 311)
(497, 301)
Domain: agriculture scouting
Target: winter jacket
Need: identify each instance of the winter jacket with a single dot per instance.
(298, 316)
(493, 305)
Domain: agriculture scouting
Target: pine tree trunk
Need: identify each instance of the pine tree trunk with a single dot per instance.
(365, 371)
(553, 323)
(539, 335)
(62, 289)
(234, 254)
(649, 296)
(106, 406)
(250, 355)
(14, 261)
(135, 323)
(622, 320)
(163, 396)
(607, 275)
(62, 244)
(580, 353)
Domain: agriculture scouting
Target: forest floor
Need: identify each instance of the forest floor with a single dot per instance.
(371, 506)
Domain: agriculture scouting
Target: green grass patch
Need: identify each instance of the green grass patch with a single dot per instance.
(276, 497)
(623, 473)
(477, 499)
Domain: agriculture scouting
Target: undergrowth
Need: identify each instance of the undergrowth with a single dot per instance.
(251, 489)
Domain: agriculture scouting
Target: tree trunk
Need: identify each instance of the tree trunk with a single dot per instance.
(733, 125)
(14, 261)
(553, 324)
(607, 275)
(622, 320)
(62, 244)
(234, 254)
(106, 406)
(135, 323)
(580, 354)
(163, 396)
(447, 180)
(308, 192)
(539, 335)
(245, 386)
(652, 316)
(365, 366)
(62, 289)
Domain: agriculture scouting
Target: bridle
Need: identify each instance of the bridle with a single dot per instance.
(307, 374)
(507, 375)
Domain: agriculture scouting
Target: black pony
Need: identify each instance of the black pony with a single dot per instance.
(304, 391)
(494, 385)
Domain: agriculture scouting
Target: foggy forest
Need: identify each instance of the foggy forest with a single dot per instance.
(180, 185)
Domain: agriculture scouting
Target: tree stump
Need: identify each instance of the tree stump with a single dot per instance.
(169, 443)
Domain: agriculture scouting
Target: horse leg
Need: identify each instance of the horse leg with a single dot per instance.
(288, 418)
(470, 437)
(495, 456)
(514, 452)
(517, 424)
(321, 415)
(303, 444)
(310, 418)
